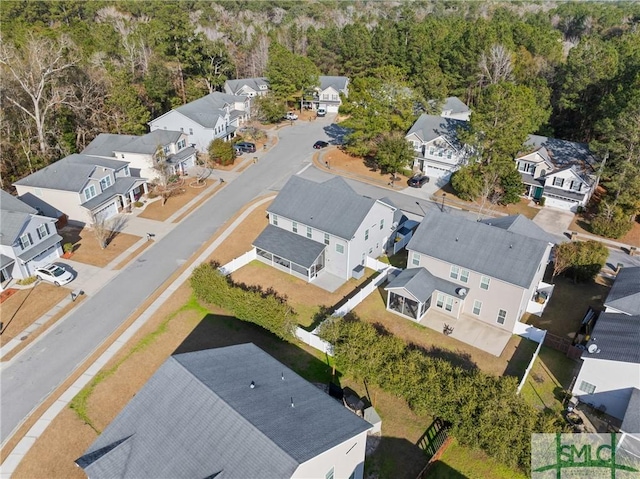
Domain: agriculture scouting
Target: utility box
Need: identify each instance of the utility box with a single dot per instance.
(358, 272)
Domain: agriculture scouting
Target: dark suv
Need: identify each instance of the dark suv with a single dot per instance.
(417, 181)
(246, 147)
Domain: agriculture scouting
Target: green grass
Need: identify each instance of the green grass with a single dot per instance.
(460, 462)
(550, 376)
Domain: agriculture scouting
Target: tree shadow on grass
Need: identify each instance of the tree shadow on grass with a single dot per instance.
(218, 331)
(395, 458)
(521, 358)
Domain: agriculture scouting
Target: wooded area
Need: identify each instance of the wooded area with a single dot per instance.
(73, 69)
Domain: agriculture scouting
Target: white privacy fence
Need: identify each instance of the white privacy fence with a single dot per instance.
(311, 337)
(239, 262)
(537, 335)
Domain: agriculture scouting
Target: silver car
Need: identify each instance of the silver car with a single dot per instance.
(55, 274)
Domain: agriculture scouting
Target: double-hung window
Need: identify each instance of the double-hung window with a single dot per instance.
(382, 223)
(366, 234)
(557, 181)
(339, 248)
(89, 192)
(294, 227)
(502, 316)
(477, 307)
(464, 275)
(43, 230)
(326, 238)
(415, 259)
(454, 272)
(274, 220)
(25, 241)
(484, 282)
(309, 232)
(105, 182)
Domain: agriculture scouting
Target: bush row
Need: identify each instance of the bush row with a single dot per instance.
(249, 303)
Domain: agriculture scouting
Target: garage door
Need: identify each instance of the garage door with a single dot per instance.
(106, 212)
(439, 175)
(332, 108)
(562, 204)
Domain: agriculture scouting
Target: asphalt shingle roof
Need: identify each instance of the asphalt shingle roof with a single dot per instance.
(206, 110)
(197, 416)
(521, 225)
(254, 83)
(485, 249)
(617, 337)
(70, 173)
(332, 206)
(122, 186)
(13, 216)
(338, 83)
(106, 143)
(455, 105)
(430, 127)
(563, 154)
(289, 245)
(421, 284)
(625, 292)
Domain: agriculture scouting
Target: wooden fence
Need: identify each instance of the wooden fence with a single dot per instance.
(563, 345)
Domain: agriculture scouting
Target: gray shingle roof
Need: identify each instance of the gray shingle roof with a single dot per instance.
(521, 225)
(338, 83)
(485, 249)
(563, 154)
(254, 83)
(631, 420)
(70, 173)
(13, 216)
(455, 105)
(5, 261)
(617, 337)
(150, 142)
(421, 284)
(332, 206)
(430, 127)
(106, 143)
(197, 416)
(288, 245)
(206, 110)
(625, 292)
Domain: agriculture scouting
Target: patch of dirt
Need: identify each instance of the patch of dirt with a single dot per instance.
(155, 210)
(523, 207)
(87, 250)
(6, 294)
(26, 306)
(581, 223)
(337, 159)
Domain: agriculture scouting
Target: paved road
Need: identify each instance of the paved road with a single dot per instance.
(35, 373)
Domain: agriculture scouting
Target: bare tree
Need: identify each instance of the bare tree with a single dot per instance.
(495, 67)
(489, 195)
(165, 186)
(38, 72)
(101, 229)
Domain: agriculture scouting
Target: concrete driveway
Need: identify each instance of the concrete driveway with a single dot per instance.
(554, 220)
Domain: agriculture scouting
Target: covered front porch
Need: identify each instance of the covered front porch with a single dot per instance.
(291, 253)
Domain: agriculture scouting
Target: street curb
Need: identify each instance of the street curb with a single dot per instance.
(14, 458)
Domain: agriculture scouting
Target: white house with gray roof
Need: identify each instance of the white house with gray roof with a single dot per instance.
(328, 94)
(452, 107)
(563, 172)
(610, 369)
(232, 413)
(324, 228)
(27, 239)
(141, 152)
(250, 87)
(438, 152)
(82, 187)
(216, 115)
(477, 270)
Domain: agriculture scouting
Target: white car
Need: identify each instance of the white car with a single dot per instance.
(54, 274)
(291, 116)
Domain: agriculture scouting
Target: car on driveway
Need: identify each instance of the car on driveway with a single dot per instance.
(53, 273)
(291, 116)
(318, 145)
(246, 147)
(417, 181)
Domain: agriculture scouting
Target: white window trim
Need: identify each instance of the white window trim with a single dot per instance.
(455, 275)
(587, 387)
(477, 304)
(274, 220)
(482, 283)
(415, 259)
(90, 189)
(464, 275)
(339, 248)
(309, 232)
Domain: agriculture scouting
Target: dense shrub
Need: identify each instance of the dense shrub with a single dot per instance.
(485, 411)
(611, 224)
(248, 303)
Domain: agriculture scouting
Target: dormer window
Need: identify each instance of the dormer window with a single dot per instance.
(43, 230)
(25, 241)
(89, 192)
(105, 182)
(575, 185)
(557, 181)
(181, 144)
(166, 149)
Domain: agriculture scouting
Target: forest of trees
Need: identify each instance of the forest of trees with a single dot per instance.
(73, 69)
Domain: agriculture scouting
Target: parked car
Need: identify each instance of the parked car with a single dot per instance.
(318, 145)
(246, 147)
(55, 274)
(291, 116)
(237, 150)
(321, 111)
(417, 181)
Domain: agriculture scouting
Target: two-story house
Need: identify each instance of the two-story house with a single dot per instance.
(563, 172)
(452, 107)
(610, 370)
(324, 228)
(216, 115)
(82, 187)
(142, 152)
(27, 239)
(438, 152)
(232, 412)
(250, 87)
(477, 270)
(328, 94)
